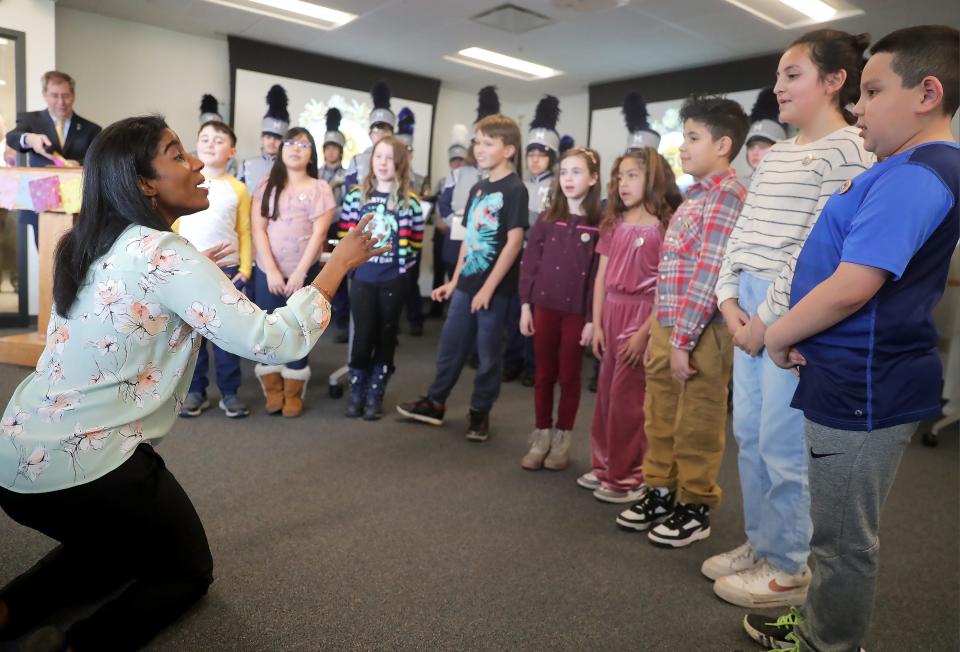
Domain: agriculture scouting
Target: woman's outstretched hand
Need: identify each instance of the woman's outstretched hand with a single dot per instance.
(357, 247)
(218, 252)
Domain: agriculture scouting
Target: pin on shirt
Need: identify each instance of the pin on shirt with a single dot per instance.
(845, 187)
(639, 241)
(584, 238)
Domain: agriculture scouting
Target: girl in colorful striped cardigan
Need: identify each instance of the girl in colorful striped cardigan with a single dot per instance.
(378, 288)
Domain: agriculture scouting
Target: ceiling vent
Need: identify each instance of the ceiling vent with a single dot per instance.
(512, 19)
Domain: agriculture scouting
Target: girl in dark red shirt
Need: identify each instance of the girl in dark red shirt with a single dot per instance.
(556, 287)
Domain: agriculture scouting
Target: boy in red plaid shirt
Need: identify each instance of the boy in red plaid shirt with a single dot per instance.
(689, 357)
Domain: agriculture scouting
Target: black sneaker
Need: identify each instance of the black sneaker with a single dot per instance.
(509, 375)
(770, 632)
(423, 410)
(528, 378)
(653, 508)
(479, 428)
(687, 524)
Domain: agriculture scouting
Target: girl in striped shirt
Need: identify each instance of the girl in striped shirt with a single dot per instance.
(379, 287)
(818, 75)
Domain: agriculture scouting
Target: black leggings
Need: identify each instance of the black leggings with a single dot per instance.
(134, 528)
(376, 311)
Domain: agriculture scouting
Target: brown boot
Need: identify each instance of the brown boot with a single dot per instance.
(272, 383)
(294, 389)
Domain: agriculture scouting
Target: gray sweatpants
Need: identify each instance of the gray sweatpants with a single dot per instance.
(851, 473)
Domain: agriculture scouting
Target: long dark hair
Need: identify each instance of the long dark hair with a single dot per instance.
(832, 50)
(112, 201)
(277, 180)
(559, 206)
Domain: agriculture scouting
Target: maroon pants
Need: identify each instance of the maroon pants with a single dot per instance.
(556, 343)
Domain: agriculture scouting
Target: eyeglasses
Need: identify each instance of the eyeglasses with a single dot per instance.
(299, 144)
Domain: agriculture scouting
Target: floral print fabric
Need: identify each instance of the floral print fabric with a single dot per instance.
(115, 371)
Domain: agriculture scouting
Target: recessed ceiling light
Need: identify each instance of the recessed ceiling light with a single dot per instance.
(794, 14)
(815, 9)
(502, 64)
(294, 11)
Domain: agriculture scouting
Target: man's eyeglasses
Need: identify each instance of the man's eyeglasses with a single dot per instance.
(299, 144)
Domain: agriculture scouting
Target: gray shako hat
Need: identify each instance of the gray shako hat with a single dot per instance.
(765, 119)
(209, 109)
(543, 134)
(333, 133)
(459, 142)
(637, 118)
(405, 124)
(276, 120)
(381, 113)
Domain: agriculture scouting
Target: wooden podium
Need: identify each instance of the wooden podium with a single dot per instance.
(25, 349)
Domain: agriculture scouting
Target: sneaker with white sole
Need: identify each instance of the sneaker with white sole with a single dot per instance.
(770, 632)
(605, 495)
(655, 506)
(233, 407)
(764, 586)
(589, 481)
(687, 524)
(194, 404)
(741, 558)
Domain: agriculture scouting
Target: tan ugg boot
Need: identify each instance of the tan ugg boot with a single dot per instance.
(271, 381)
(294, 389)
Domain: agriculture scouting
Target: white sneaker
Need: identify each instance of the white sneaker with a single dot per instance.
(589, 481)
(764, 586)
(605, 495)
(739, 559)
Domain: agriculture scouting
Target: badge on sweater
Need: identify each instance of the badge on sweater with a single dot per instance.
(584, 238)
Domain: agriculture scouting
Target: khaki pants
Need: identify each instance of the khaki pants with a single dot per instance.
(686, 422)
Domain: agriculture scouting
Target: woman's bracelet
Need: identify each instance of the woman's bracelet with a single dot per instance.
(327, 294)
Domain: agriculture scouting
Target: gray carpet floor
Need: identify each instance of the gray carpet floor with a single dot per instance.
(331, 534)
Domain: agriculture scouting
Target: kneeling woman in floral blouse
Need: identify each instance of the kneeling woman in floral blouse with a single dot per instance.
(132, 301)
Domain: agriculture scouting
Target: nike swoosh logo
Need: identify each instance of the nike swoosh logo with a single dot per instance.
(777, 588)
(817, 456)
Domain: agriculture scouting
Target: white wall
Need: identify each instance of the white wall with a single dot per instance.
(36, 19)
(124, 68)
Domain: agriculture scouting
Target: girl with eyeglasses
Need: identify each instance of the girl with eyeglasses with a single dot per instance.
(292, 210)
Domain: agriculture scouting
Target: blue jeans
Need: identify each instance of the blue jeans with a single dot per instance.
(519, 354)
(461, 330)
(773, 455)
(227, 364)
(268, 301)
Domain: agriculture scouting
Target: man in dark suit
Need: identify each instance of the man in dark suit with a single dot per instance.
(52, 133)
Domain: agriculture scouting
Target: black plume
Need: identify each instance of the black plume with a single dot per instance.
(405, 121)
(277, 103)
(209, 104)
(333, 119)
(635, 112)
(381, 95)
(566, 143)
(546, 114)
(766, 107)
(488, 102)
